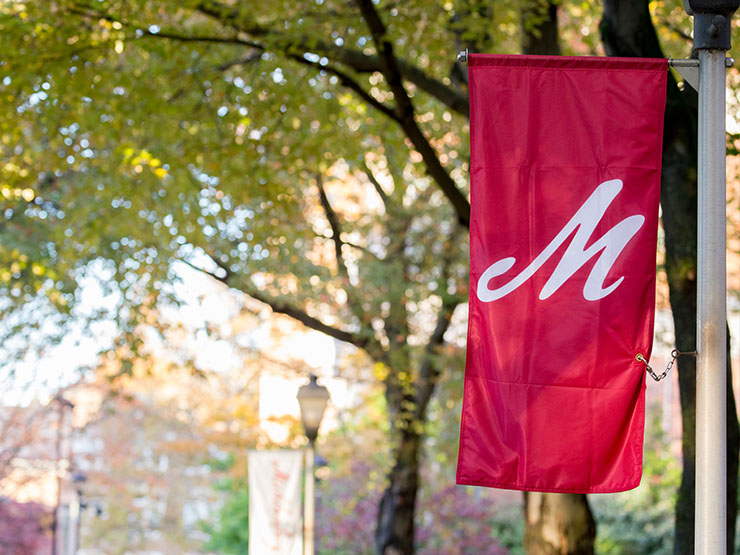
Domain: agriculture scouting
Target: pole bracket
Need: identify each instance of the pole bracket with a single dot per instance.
(689, 69)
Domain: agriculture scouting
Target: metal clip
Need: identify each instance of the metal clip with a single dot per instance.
(462, 56)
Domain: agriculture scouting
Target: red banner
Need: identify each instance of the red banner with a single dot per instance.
(565, 179)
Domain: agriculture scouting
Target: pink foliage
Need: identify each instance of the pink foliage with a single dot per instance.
(25, 528)
(450, 519)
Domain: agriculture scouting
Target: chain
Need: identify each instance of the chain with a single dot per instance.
(675, 353)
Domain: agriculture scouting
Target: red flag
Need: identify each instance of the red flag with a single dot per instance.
(565, 178)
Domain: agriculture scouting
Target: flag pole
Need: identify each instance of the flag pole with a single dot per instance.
(711, 40)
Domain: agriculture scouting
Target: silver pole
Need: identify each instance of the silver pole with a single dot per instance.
(309, 503)
(73, 522)
(711, 424)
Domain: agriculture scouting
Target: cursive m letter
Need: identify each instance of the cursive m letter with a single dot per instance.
(583, 222)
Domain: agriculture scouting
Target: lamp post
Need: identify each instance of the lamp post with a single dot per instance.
(63, 405)
(312, 399)
(75, 514)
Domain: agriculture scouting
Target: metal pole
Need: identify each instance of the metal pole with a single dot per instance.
(55, 519)
(309, 502)
(73, 527)
(79, 522)
(711, 386)
(55, 533)
(711, 39)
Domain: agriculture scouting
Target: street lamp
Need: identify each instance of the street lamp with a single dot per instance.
(312, 399)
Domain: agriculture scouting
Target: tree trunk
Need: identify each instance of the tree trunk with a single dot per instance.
(554, 522)
(558, 524)
(627, 30)
(539, 19)
(395, 532)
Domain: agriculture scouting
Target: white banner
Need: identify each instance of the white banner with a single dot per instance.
(275, 523)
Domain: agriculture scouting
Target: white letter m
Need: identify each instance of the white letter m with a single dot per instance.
(585, 220)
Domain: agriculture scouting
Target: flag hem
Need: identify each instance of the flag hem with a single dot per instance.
(524, 487)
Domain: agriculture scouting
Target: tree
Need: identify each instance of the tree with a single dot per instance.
(212, 127)
(627, 30)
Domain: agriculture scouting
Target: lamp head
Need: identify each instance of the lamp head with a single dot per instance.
(312, 399)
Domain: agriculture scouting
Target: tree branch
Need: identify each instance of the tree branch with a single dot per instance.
(429, 370)
(345, 79)
(677, 30)
(282, 307)
(357, 60)
(306, 319)
(353, 245)
(336, 230)
(186, 38)
(240, 61)
(405, 113)
(146, 33)
(376, 184)
(350, 83)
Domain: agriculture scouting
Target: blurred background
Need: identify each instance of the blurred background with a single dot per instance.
(203, 202)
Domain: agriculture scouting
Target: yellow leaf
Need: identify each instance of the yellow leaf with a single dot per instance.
(380, 370)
